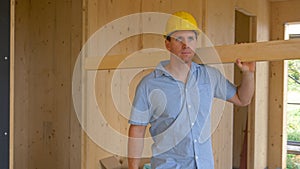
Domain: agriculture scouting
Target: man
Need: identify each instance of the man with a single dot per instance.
(176, 99)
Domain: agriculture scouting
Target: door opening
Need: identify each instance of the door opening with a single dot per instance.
(245, 32)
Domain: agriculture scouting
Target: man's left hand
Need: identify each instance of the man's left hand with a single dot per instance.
(245, 66)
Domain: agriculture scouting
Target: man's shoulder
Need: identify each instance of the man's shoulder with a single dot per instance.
(147, 78)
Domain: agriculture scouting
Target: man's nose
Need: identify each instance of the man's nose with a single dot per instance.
(184, 43)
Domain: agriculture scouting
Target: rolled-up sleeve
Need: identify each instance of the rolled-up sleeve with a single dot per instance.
(224, 89)
(140, 111)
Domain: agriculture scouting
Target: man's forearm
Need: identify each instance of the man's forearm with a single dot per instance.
(135, 149)
(133, 163)
(135, 145)
(246, 88)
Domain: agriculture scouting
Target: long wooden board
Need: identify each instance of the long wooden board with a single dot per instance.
(260, 51)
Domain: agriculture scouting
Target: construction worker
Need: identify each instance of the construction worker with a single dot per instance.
(176, 100)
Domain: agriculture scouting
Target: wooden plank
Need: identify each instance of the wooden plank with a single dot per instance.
(260, 51)
(258, 119)
(12, 77)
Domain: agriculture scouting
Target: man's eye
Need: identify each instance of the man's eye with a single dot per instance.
(178, 39)
(191, 39)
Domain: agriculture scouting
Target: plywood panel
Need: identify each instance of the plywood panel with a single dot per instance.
(48, 39)
(221, 15)
(282, 12)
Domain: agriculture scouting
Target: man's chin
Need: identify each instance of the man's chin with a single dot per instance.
(187, 59)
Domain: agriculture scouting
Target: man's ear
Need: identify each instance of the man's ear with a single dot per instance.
(167, 44)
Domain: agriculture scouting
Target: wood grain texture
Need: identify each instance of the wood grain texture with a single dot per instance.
(260, 51)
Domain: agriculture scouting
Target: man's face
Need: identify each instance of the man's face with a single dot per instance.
(182, 45)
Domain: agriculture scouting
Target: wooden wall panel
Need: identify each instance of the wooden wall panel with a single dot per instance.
(221, 15)
(213, 16)
(97, 14)
(282, 12)
(48, 39)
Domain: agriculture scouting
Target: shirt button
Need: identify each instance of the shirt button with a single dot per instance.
(195, 141)
(192, 124)
(196, 157)
(189, 106)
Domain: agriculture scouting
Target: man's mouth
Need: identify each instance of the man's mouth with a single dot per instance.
(186, 52)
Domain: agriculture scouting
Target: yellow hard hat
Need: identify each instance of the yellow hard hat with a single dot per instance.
(181, 21)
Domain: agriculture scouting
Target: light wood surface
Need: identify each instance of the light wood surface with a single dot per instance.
(260, 51)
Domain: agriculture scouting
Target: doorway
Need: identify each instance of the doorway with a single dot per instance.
(245, 32)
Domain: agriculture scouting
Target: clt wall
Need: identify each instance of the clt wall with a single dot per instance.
(216, 19)
(211, 15)
(48, 38)
(282, 12)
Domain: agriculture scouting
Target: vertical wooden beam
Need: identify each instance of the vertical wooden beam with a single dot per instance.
(257, 120)
(277, 116)
(12, 64)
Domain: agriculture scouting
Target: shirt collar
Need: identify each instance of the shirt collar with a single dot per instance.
(194, 67)
(160, 68)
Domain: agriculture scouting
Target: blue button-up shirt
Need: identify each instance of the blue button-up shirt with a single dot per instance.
(179, 115)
